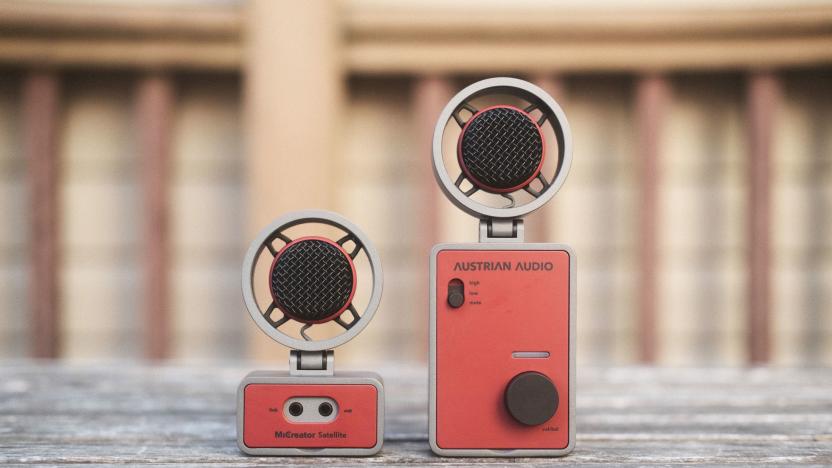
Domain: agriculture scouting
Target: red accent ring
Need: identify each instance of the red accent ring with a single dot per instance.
(354, 280)
(487, 187)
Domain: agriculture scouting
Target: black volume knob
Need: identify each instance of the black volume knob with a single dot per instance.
(531, 398)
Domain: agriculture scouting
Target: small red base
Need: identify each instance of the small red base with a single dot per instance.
(264, 429)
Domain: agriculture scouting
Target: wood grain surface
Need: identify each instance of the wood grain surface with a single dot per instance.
(117, 414)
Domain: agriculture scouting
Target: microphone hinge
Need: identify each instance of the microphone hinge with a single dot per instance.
(311, 362)
(501, 230)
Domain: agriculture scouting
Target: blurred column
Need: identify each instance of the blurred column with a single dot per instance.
(293, 92)
(154, 107)
(763, 95)
(430, 95)
(651, 106)
(40, 100)
(540, 223)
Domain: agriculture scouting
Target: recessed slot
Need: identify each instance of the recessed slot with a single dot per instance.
(530, 354)
(310, 410)
(456, 293)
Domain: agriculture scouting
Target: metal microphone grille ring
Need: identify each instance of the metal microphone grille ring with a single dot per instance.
(501, 149)
(312, 280)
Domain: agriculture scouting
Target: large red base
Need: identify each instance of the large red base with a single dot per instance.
(518, 302)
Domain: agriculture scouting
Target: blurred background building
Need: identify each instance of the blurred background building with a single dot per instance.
(142, 144)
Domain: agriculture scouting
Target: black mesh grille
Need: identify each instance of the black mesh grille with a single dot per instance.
(312, 280)
(501, 148)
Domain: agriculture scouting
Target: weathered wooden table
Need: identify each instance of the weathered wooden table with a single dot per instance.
(54, 413)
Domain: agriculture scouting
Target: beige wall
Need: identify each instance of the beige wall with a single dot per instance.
(280, 106)
(376, 182)
(803, 222)
(100, 219)
(208, 215)
(14, 230)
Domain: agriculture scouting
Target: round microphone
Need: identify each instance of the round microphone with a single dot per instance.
(502, 149)
(311, 280)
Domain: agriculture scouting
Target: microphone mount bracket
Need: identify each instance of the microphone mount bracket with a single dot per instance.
(450, 180)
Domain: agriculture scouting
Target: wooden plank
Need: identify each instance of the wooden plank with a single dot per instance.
(650, 107)
(509, 56)
(154, 104)
(478, 20)
(379, 38)
(293, 93)
(414, 18)
(40, 101)
(57, 414)
(157, 19)
(374, 57)
(122, 53)
(763, 90)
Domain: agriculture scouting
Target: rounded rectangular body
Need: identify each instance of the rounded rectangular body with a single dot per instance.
(517, 315)
(264, 427)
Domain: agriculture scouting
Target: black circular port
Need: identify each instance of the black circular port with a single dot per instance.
(325, 409)
(295, 409)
